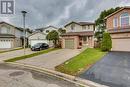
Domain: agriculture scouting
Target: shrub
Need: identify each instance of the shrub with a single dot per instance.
(106, 44)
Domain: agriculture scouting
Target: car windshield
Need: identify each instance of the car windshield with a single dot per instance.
(38, 44)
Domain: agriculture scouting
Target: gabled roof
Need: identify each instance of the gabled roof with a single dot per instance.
(11, 25)
(126, 7)
(41, 29)
(80, 23)
(19, 28)
(36, 33)
(7, 35)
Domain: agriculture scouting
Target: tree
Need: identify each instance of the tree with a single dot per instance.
(106, 44)
(100, 22)
(54, 36)
(61, 31)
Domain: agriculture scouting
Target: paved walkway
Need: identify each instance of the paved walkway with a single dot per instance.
(51, 59)
(12, 54)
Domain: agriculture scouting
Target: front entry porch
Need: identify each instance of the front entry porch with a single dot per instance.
(86, 41)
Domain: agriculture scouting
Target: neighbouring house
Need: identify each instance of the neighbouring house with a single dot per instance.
(118, 25)
(39, 36)
(47, 29)
(11, 36)
(78, 35)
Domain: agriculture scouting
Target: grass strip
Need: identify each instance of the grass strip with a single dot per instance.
(31, 55)
(10, 50)
(81, 62)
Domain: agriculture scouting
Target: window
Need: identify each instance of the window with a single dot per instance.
(4, 30)
(47, 31)
(72, 26)
(124, 19)
(84, 38)
(115, 22)
(84, 27)
(88, 26)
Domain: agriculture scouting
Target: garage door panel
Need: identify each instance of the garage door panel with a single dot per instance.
(120, 44)
(69, 43)
(5, 44)
(33, 42)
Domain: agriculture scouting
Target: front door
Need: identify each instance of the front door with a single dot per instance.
(84, 39)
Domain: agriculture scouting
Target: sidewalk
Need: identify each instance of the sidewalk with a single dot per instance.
(12, 54)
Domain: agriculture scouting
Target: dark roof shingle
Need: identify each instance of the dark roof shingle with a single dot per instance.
(81, 23)
(86, 33)
(6, 35)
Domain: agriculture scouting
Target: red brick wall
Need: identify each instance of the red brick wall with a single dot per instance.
(109, 21)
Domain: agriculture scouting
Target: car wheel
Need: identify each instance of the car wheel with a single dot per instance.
(31, 49)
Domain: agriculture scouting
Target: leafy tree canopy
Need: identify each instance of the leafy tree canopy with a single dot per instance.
(100, 22)
(61, 31)
(53, 35)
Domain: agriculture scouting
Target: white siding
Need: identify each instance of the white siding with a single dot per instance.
(37, 36)
(49, 29)
(18, 33)
(10, 30)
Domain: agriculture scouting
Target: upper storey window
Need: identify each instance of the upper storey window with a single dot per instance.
(124, 19)
(4, 30)
(84, 27)
(72, 26)
(115, 22)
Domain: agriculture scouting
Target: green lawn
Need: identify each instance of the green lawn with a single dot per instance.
(31, 55)
(11, 50)
(81, 62)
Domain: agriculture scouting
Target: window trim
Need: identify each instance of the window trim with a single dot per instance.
(84, 27)
(47, 31)
(72, 26)
(6, 30)
(115, 18)
(124, 17)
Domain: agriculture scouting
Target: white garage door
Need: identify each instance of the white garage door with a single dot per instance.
(5, 43)
(69, 43)
(33, 42)
(120, 44)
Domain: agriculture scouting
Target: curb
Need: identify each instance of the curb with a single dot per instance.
(73, 79)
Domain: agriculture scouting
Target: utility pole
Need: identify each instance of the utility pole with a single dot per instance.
(24, 14)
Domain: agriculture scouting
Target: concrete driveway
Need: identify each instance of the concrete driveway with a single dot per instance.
(12, 54)
(113, 70)
(51, 59)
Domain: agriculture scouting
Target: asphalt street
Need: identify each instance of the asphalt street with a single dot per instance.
(18, 76)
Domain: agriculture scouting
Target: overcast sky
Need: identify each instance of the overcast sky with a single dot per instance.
(42, 13)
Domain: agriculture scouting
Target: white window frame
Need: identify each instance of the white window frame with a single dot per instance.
(124, 17)
(114, 24)
(84, 27)
(6, 30)
(72, 27)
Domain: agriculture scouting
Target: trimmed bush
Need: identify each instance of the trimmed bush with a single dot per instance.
(106, 44)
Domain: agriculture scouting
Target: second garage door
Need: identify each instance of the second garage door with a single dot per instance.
(33, 42)
(121, 44)
(69, 43)
(5, 44)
